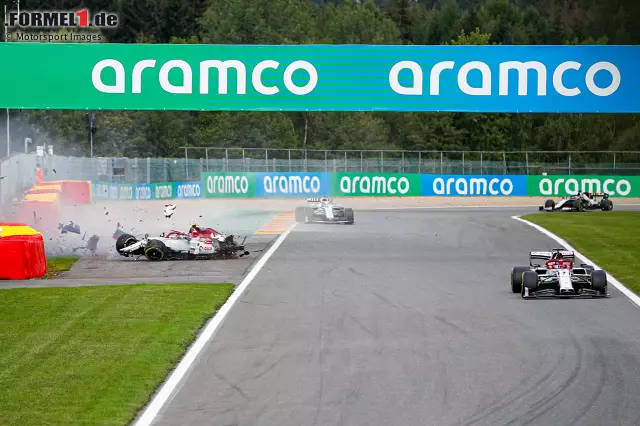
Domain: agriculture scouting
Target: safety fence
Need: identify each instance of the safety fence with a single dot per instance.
(260, 185)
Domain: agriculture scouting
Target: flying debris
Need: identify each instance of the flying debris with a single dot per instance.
(169, 209)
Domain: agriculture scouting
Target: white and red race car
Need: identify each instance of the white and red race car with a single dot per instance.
(197, 243)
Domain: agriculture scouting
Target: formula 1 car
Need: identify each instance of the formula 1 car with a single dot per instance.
(324, 210)
(558, 277)
(176, 245)
(580, 202)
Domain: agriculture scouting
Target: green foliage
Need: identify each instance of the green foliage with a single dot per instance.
(417, 22)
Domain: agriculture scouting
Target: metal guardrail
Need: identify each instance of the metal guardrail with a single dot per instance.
(19, 169)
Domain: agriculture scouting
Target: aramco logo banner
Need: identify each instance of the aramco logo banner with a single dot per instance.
(578, 79)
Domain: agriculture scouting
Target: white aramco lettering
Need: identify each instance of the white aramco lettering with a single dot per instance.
(415, 88)
(186, 87)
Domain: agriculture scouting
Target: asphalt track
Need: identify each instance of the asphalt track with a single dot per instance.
(407, 318)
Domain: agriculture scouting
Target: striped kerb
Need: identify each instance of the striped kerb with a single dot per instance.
(277, 225)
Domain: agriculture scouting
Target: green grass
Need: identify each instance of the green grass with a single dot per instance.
(610, 239)
(94, 355)
(57, 265)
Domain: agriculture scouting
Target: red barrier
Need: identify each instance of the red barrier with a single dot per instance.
(41, 215)
(23, 255)
(45, 189)
(74, 191)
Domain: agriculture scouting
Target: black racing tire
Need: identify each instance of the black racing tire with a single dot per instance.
(156, 251)
(577, 205)
(529, 281)
(125, 240)
(300, 214)
(549, 204)
(607, 205)
(599, 280)
(516, 278)
(348, 213)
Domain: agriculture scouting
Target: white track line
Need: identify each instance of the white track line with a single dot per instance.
(617, 284)
(170, 385)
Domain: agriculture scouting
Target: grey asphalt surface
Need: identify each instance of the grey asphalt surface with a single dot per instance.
(116, 270)
(407, 318)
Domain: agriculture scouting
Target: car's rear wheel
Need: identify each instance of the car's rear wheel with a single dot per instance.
(516, 278)
(599, 280)
(156, 251)
(348, 213)
(529, 281)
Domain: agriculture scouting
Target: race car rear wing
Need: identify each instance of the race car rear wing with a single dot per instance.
(548, 255)
(318, 199)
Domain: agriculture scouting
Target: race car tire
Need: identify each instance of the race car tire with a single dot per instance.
(348, 213)
(549, 204)
(516, 278)
(301, 213)
(577, 205)
(599, 280)
(156, 251)
(530, 281)
(125, 240)
(607, 205)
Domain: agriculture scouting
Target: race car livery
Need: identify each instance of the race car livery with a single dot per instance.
(557, 277)
(176, 245)
(324, 210)
(580, 202)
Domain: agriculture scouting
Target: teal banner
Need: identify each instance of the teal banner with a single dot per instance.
(516, 79)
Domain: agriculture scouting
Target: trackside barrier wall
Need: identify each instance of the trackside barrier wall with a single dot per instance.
(265, 185)
(22, 249)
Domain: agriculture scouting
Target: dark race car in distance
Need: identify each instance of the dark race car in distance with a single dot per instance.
(581, 202)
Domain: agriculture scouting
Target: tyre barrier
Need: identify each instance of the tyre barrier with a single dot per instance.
(22, 249)
(46, 189)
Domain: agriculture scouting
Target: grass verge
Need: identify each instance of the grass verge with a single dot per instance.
(57, 265)
(94, 355)
(610, 239)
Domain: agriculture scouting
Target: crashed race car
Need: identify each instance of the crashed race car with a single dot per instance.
(580, 202)
(324, 210)
(557, 277)
(197, 243)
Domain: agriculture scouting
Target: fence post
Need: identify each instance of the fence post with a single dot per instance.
(463, 171)
(346, 168)
(305, 161)
(481, 165)
(148, 170)
(206, 157)
(381, 161)
(244, 165)
(266, 159)
(186, 164)
(326, 166)
(402, 164)
(419, 161)
(504, 163)
(569, 164)
(441, 159)
(361, 161)
(289, 153)
(226, 156)
(614, 161)
(526, 156)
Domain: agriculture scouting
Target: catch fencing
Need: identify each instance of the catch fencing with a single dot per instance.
(17, 173)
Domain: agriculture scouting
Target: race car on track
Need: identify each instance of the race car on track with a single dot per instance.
(558, 277)
(176, 245)
(324, 210)
(580, 202)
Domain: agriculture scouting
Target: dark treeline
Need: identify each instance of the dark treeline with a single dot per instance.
(425, 22)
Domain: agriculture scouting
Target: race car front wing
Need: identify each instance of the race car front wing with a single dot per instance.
(585, 293)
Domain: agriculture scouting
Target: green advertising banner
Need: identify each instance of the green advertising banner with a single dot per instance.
(162, 191)
(375, 184)
(314, 77)
(228, 184)
(125, 192)
(566, 185)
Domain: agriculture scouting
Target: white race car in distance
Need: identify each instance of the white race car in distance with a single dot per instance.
(324, 210)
